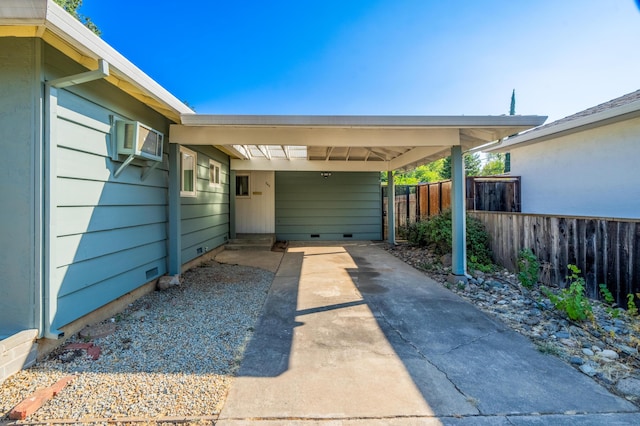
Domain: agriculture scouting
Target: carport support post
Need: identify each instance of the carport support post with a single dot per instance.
(232, 204)
(391, 208)
(458, 217)
(175, 237)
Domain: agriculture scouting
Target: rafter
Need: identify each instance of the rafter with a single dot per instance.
(285, 149)
(247, 151)
(329, 151)
(264, 150)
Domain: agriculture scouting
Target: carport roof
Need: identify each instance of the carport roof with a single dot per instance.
(342, 143)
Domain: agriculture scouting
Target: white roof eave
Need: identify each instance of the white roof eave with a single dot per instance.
(48, 16)
(610, 116)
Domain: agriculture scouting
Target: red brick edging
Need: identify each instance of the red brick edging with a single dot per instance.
(31, 404)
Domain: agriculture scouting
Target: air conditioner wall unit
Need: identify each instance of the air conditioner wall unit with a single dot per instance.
(136, 139)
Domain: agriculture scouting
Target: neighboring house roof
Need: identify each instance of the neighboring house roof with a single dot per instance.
(342, 143)
(47, 20)
(619, 109)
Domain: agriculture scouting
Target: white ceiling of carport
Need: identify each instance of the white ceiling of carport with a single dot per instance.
(342, 143)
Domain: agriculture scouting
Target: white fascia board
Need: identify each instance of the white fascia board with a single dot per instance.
(378, 121)
(610, 116)
(61, 24)
(262, 164)
(314, 136)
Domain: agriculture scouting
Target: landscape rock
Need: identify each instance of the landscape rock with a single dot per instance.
(608, 353)
(588, 370)
(168, 281)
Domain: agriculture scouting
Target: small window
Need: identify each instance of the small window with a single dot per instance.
(214, 173)
(188, 163)
(242, 186)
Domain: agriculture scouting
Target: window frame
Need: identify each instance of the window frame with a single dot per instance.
(248, 176)
(215, 179)
(194, 179)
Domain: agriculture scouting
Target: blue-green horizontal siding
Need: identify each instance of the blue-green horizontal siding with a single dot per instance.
(345, 206)
(205, 218)
(111, 233)
(79, 247)
(76, 276)
(194, 211)
(190, 226)
(80, 220)
(373, 236)
(93, 297)
(93, 193)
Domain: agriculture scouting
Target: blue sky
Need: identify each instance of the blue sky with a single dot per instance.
(397, 57)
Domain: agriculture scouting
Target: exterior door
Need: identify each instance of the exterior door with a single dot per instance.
(255, 202)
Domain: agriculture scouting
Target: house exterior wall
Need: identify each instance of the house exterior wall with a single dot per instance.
(344, 206)
(19, 123)
(589, 173)
(109, 235)
(205, 218)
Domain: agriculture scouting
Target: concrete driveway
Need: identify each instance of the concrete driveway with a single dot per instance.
(351, 335)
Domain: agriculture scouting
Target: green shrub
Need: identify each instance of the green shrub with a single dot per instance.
(435, 233)
(528, 267)
(572, 300)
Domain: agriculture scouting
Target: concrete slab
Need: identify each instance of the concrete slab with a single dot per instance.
(353, 335)
(268, 260)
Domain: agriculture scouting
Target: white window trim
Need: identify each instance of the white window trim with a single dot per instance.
(213, 165)
(194, 154)
(248, 175)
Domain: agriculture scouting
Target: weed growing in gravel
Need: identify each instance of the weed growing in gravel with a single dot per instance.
(548, 348)
(528, 267)
(572, 300)
(610, 307)
(632, 309)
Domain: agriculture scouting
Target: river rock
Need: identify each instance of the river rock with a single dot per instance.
(609, 354)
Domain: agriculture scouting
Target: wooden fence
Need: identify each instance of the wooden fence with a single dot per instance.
(417, 202)
(606, 250)
(494, 194)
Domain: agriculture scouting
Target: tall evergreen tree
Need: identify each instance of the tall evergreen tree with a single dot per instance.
(73, 7)
(512, 111)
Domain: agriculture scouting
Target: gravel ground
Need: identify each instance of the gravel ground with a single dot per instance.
(173, 354)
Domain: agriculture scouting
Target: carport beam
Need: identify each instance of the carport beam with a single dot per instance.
(458, 216)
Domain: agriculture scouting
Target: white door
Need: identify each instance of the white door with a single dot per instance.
(255, 203)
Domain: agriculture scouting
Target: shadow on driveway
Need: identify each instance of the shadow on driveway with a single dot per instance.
(350, 332)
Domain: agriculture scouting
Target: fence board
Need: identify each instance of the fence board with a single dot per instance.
(606, 250)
